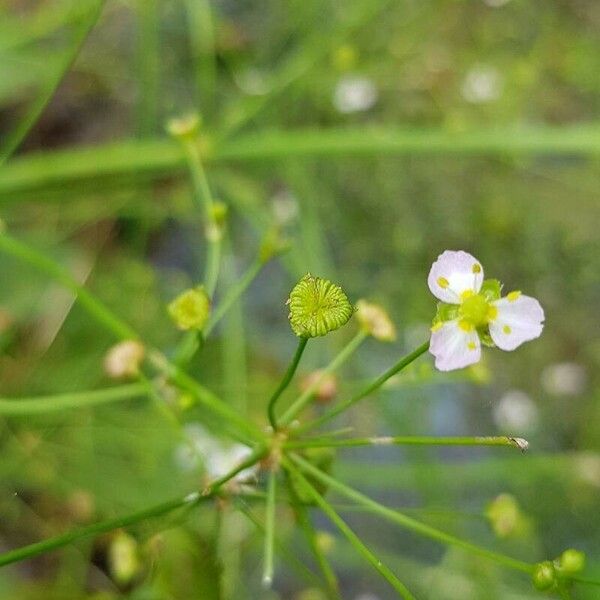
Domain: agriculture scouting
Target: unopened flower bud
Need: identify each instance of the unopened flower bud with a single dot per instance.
(323, 385)
(124, 359)
(184, 128)
(123, 558)
(570, 562)
(219, 212)
(504, 515)
(375, 321)
(325, 541)
(543, 576)
(317, 307)
(191, 309)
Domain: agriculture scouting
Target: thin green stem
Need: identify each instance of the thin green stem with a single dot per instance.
(157, 510)
(408, 522)
(148, 66)
(285, 381)
(333, 366)
(271, 504)
(329, 442)
(14, 139)
(204, 199)
(58, 402)
(331, 582)
(95, 307)
(375, 385)
(354, 540)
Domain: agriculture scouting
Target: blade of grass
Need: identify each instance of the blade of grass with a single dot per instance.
(354, 540)
(14, 139)
(148, 66)
(270, 506)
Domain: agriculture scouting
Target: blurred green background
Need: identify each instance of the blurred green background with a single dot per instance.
(376, 134)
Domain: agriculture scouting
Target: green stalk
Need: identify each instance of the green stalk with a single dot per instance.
(289, 415)
(14, 139)
(148, 66)
(408, 522)
(95, 307)
(267, 577)
(348, 533)
(58, 402)
(285, 381)
(518, 443)
(375, 385)
(157, 510)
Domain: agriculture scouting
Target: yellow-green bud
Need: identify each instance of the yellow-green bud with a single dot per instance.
(325, 541)
(571, 562)
(184, 128)
(375, 321)
(219, 212)
(544, 576)
(504, 515)
(317, 307)
(123, 558)
(191, 309)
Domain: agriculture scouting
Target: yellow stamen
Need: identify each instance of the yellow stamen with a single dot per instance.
(443, 282)
(466, 325)
(436, 326)
(513, 296)
(506, 329)
(467, 294)
(492, 313)
(471, 345)
(476, 268)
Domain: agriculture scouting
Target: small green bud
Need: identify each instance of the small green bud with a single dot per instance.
(191, 309)
(544, 576)
(571, 562)
(317, 307)
(220, 212)
(123, 558)
(184, 128)
(504, 515)
(272, 245)
(375, 321)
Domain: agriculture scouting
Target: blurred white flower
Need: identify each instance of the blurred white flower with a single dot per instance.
(124, 359)
(201, 448)
(496, 3)
(564, 379)
(482, 84)
(516, 412)
(354, 94)
(285, 207)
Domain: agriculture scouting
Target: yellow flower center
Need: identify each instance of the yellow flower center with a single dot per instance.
(475, 311)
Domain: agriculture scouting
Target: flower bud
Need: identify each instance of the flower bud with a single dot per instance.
(504, 515)
(124, 359)
(191, 309)
(272, 245)
(317, 307)
(324, 384)
(325, 541)
(570, 562)
(184, 128)
(123, 558)
(375, 321)
(543, 576)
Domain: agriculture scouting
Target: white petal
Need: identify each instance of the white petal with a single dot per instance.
(453, 273)
(453, 347)
(520, 319)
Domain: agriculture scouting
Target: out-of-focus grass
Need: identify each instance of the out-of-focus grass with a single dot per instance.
(484, 136)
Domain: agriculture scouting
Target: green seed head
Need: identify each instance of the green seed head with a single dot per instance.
(191, 309)
(317, 307)
(543, 576)
(571, 561)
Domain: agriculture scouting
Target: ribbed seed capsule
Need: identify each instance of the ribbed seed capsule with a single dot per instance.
(317, 307)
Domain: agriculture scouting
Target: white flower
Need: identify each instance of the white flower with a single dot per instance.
(564, 379)
(354, 94)
(472, 310)
(482, 84)
(516, 412)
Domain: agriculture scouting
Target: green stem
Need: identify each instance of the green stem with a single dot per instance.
(58, 402)
(335, 364)
(375, 385)
(141, 515)
(285, 381)
(204, 199)
(39, 261)
(348, 533)
(407, 522)
(267, 577)
(518, 443)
